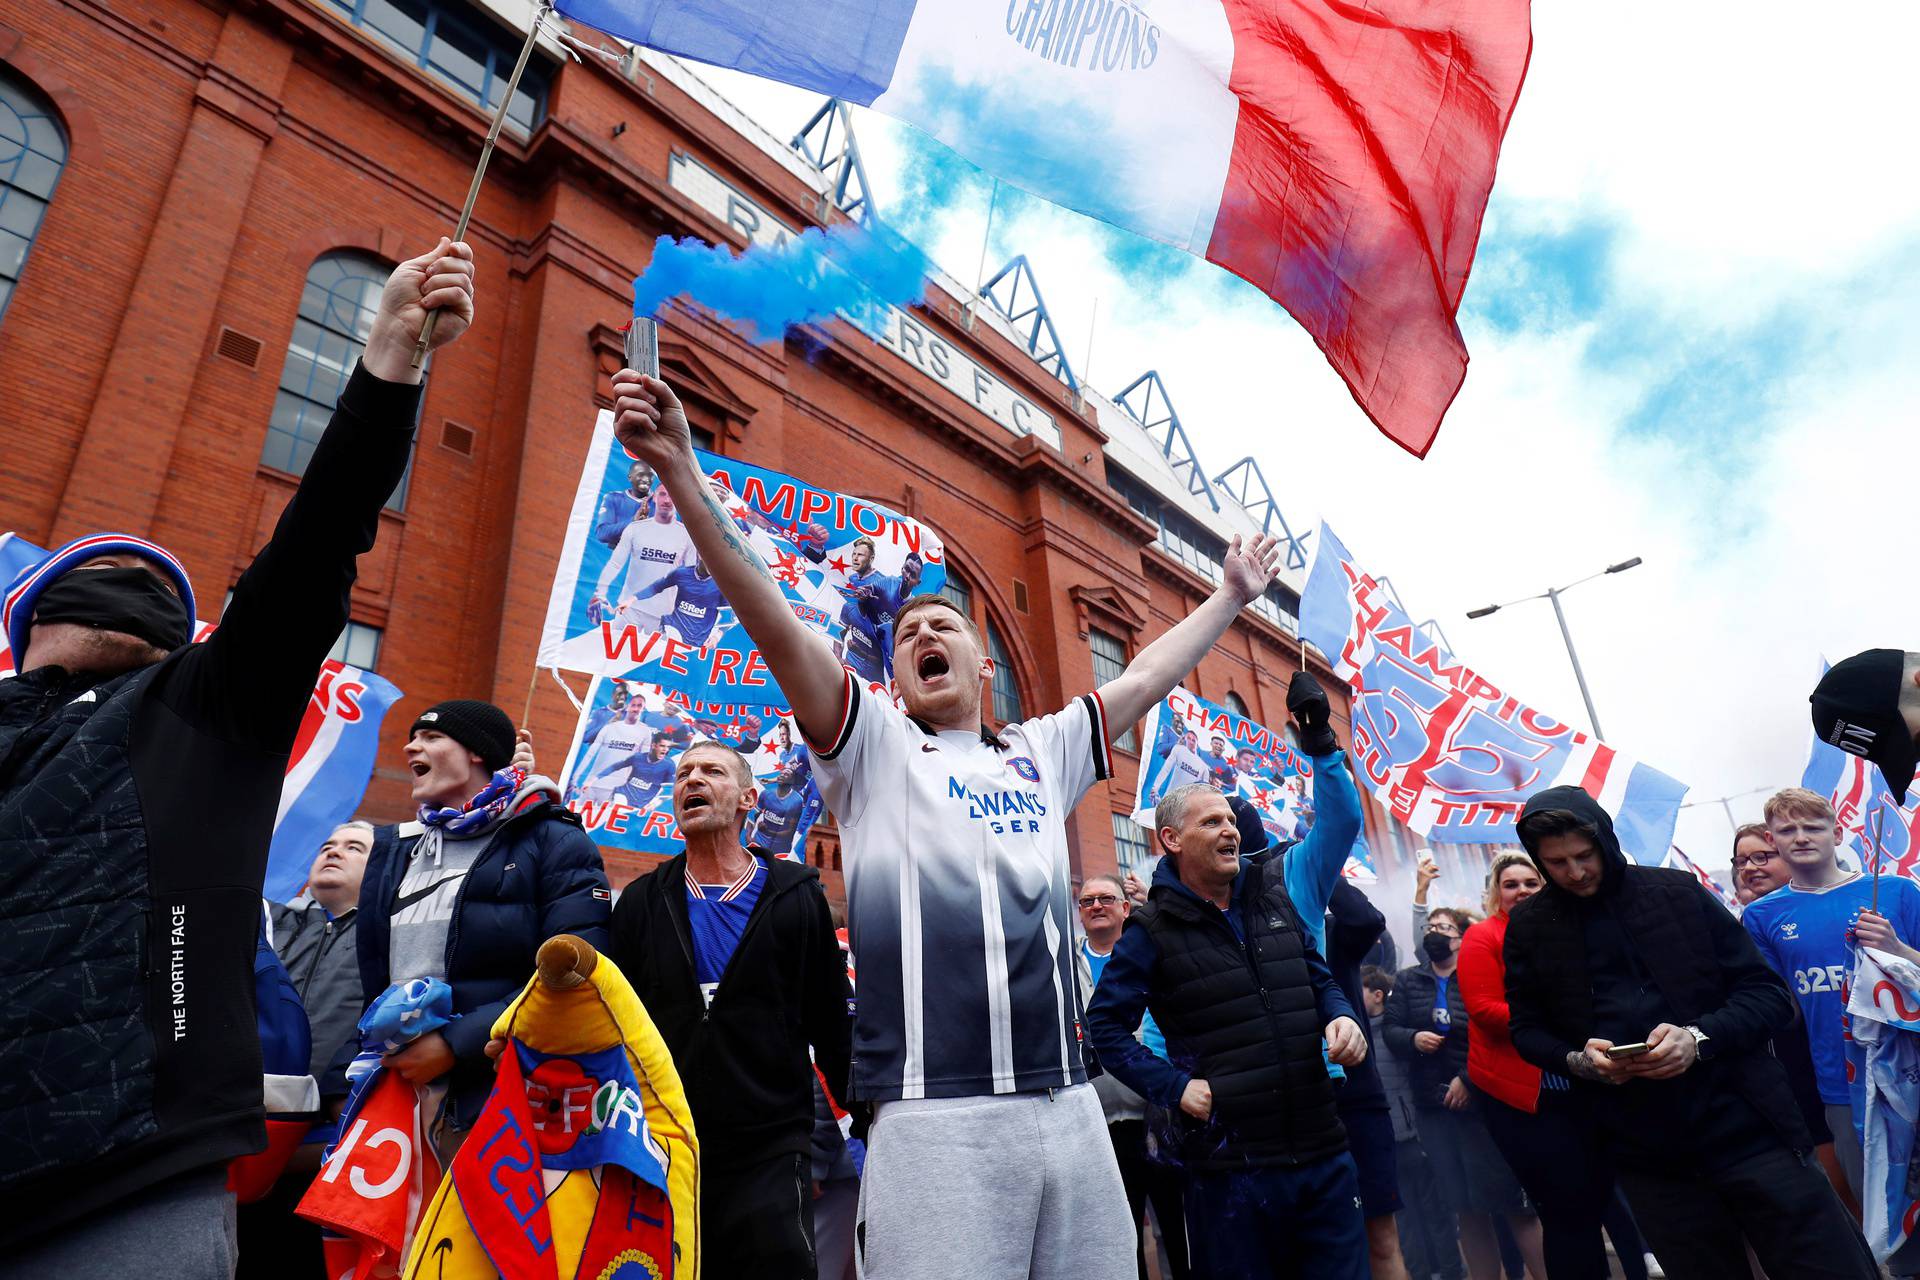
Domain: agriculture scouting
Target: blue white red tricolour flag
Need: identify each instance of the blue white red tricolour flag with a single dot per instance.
(328, 770)
(1881, 830)
(1191, 740)
(631, 599)
(1450, 753)
(332, 756)
(1340, 157)
(1359, 867)
(1883, 1070)
(1679, 861)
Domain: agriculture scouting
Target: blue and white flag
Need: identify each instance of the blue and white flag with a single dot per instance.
(1192, 740)
(1447, 751)
(1883, 1070)
(631, 598)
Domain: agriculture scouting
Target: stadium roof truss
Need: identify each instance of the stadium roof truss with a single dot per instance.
(1246, 485)
(1015, 294)
(1156, 413)
(827, 143)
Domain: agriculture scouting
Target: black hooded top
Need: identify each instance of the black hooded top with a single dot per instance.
(1652, 946)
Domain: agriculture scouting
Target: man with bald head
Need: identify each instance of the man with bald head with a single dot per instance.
(139, 779)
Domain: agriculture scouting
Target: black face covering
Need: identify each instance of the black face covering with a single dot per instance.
(129, 600)
(1438, 946)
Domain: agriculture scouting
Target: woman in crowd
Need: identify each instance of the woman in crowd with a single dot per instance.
(1426, 1027)
(1536, 1119)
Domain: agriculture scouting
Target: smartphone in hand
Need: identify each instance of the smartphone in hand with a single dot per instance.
(1620, 1051)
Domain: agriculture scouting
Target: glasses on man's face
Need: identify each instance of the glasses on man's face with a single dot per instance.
(1759, 858)
(1092, 900)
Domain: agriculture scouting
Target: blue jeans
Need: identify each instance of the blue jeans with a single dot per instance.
(1283, 1221)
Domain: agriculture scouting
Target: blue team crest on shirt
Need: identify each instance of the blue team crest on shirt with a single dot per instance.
(1025, 767)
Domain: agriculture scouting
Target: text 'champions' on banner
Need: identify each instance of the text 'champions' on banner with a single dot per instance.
(627, 747)
(1191, 740)
(1447, 751)
(631, 598)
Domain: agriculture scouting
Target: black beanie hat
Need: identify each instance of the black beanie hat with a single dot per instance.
(480, 727)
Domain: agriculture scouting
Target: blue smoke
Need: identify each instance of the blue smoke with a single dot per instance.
(846, 270)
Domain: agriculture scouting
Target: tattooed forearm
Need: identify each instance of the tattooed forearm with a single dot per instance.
(735, 543)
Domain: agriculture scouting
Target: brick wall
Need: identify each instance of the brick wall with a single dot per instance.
(218, 149)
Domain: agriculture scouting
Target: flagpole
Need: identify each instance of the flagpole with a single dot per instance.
(980, 272)
(480, 169)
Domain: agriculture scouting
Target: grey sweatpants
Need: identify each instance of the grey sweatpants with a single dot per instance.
(1018, 1185)
(182, 1228)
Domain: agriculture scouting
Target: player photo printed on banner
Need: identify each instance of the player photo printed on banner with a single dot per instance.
(620, 767)
(632, 599)
(1193, 740)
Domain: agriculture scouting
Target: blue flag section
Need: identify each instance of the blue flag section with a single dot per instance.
(1447, 751)
(631, 598)
(1192, 740)
(619, 772)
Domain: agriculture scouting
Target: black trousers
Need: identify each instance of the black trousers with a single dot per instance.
(1780, 1202)
(1147, 1179)
(1557, 1155)
(1429, 1233)
(756, 1221)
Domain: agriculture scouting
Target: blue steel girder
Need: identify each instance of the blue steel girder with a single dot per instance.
(1027, 311)
(827, 143)
(1256, 499)
(1166, 428)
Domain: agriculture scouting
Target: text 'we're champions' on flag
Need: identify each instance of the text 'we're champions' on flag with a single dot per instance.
(1190, 740)
(1449, 752)
(631, 598)
(1338, 157)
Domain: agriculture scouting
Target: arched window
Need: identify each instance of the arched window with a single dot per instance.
(33, 151)
(1238, 705)
(337, 308)
(955, 588)
(1006, 693)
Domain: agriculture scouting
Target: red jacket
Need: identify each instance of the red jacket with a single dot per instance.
(1492, 1063)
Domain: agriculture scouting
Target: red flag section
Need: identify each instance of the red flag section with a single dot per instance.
(1362, 163)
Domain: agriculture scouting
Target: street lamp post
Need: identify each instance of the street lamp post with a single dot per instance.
(1552, 596)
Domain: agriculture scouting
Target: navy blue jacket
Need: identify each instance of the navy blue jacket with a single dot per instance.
(540, 876)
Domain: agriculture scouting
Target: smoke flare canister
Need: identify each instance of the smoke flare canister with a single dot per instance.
(643, 346)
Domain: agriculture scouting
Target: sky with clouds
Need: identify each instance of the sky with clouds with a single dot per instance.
(1693, 324)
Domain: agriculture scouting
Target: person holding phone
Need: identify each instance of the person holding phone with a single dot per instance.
(1700, 1125)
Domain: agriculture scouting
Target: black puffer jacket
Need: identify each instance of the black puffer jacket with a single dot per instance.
(135, 815)
(1701, 966)
(539, 876)
(1246, 1018)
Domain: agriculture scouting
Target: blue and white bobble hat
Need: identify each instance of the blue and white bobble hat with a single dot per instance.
(24, 592)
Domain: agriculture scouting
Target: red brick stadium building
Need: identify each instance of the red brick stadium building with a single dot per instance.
(199, 198)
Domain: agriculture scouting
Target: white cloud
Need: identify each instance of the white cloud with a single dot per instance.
(1754, 175)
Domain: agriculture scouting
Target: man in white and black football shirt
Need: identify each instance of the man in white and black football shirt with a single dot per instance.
(987, 1142)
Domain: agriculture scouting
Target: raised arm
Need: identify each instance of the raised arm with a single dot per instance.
(1165, 663)
(653, 427)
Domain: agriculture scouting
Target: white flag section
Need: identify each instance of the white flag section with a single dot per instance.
(1883, 1069)
(632, 599)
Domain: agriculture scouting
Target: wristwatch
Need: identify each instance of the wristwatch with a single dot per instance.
(1700, 1041)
